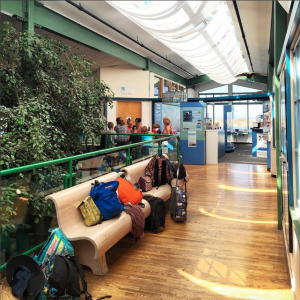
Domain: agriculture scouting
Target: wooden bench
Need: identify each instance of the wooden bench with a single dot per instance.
(90, 243)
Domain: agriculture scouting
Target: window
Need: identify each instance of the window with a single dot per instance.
(157, 87)
(242, 90)
(240, 117)
(219, 115)
(210, 112)
(167, 85)
(296, 94)
(218, 90)
(254, 110)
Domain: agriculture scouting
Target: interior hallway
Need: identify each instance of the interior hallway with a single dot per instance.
(229, 248)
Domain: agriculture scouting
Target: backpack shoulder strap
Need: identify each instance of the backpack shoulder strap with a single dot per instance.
(167, 169)
(71, 275)
(88, 296)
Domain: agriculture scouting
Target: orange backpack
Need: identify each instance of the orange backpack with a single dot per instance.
(127, 192)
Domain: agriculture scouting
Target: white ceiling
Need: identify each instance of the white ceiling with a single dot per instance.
(256, 21)
(255, 16)
(106, 12)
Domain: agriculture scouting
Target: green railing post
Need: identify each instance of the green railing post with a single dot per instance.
(178, 148)
(128, 157)
(70, 177)
(159, 151)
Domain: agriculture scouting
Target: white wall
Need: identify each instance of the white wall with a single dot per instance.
(139, 80)
(142, 83)
(191, 93)
(112, 113)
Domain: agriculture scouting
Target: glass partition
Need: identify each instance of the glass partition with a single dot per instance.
(25, 214)
(240, 122)
(254, 110)
(219, 115)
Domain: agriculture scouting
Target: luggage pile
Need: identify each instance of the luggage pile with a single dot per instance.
(55, 272)
(160, 171)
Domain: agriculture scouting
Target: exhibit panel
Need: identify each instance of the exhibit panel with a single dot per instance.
(259, 143)
(192, 133)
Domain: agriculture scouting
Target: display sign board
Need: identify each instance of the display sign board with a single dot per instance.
(126, 90)
(191, 119)
(174, 97)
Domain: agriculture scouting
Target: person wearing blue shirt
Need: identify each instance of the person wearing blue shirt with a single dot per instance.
(144, 130)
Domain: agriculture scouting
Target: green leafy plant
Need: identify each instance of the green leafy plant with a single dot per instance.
(50, 104)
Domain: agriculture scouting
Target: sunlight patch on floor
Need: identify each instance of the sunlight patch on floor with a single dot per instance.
(203, 211)
(239, 189)
(233, 292)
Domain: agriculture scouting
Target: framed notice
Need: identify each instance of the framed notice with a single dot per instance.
(126, 90)
(192, 140)
(191, 119)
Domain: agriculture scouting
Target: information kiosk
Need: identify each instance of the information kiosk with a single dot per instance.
(192, 133)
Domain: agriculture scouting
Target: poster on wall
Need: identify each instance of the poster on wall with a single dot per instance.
(126, 90)
(174, 97)
(158, 114)
(261, 142)
(261, 153)
(191, 119)
(192, 141)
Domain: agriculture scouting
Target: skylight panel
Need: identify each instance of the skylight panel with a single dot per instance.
(201, 32)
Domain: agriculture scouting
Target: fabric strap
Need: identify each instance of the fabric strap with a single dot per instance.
(88, 296)
(71, 275)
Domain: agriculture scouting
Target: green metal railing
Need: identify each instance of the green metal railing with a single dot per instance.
(70, 177)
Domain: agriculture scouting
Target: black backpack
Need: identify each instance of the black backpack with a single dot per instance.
(158, 170)
(156, 220)
(182, 172)
(65, 278)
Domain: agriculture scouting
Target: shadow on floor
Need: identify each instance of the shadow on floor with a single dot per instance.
(242, 155)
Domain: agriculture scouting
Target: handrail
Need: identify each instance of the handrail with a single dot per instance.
(70, 180)
(83, 155)
(30, 251)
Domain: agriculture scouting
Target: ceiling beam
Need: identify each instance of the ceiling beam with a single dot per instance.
(65, 27)
(205, 78)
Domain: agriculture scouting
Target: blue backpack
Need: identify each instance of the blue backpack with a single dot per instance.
(106, 198)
